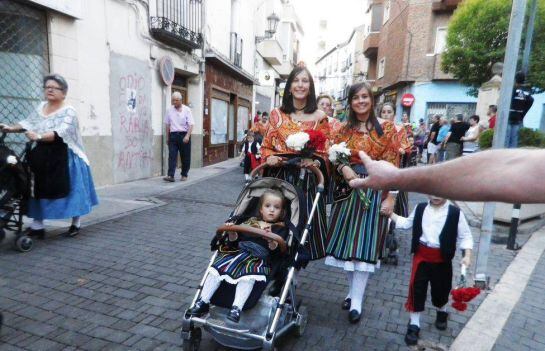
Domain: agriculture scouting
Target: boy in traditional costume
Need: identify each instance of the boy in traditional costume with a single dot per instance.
(438, 227)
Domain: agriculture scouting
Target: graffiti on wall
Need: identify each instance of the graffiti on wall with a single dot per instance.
(131, 118)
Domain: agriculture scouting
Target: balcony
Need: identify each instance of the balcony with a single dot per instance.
(445, 5)
(370, 44)
(178, 23)
(284, 69)
(235, 54)
(271, 51)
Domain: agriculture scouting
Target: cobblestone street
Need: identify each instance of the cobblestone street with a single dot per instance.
(123, 284)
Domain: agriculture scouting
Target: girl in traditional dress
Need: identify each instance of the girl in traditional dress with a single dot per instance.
(299, 112)
(387, 112)
(356, 232)
(244, 260)
(63, 184)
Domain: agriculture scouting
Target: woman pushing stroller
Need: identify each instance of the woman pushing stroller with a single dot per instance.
(242, 260)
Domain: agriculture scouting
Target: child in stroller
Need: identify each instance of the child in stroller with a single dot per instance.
(243, 260)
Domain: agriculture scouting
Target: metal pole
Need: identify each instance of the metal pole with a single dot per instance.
(515, 217)
(516, 25)
(529, 37)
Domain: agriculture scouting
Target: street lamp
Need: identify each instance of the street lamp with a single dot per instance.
(272, 22)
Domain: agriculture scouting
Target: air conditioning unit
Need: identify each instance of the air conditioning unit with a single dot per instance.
(266, 78)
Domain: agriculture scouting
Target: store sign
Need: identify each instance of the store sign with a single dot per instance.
(407, 100)
(72, 8)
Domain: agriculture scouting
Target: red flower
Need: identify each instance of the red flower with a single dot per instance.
(459, 306)
(316, 141)
(464, 294)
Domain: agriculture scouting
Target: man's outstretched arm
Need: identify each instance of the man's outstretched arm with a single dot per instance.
(515, 176)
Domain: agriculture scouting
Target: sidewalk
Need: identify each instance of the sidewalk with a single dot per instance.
(511, 317)
(122, 199)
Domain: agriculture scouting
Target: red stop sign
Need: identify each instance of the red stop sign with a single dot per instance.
(407, 100)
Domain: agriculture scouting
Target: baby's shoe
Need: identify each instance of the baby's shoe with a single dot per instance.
(234, 314)
(200, 308)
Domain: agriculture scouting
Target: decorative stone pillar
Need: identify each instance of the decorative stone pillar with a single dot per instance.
(489, 94)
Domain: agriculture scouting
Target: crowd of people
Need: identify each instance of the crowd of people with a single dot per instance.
(365, 191)
(352, 237)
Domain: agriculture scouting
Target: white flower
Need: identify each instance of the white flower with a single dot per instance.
(297, 141)
(11, 160)
(338, 149)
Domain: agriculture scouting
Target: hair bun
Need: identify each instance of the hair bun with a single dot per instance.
(301, 64)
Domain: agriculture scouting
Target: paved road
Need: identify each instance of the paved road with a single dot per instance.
(123, 284)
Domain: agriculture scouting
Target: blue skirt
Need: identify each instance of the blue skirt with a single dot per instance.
(80, 200)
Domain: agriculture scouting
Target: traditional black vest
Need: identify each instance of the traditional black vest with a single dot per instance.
(449, 233)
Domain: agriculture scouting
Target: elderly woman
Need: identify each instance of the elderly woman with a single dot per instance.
(63, 185)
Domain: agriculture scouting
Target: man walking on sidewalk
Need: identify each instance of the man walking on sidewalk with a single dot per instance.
(179, 125)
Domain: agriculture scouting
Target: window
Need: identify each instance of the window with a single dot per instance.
(381, 67)
(242, 119)
(440, 39)
(218, 123)
(387, 6)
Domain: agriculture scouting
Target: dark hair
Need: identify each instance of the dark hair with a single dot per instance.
(265, 114)
(475, 117)
(274, 192)
(459, 117)
(352, 120)
(258, 112)
(287, 99)
(494, 108)
(58, 79)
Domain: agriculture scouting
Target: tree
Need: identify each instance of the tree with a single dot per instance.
(476, 39)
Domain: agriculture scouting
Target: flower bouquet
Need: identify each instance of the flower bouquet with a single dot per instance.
(462, 294)
(307, 142)
(339, 154)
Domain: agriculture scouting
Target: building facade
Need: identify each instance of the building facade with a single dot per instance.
(124, 58)
(413, 65)
(342, 66)
(111, 53)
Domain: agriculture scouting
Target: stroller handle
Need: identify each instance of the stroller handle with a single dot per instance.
(284, 162)
(256, 232)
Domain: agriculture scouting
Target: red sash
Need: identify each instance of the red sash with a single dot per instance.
(423, 254)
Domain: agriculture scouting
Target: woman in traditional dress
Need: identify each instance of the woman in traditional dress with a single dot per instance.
(298, 113)
(63, 184)
(356, 231)
(387, 112)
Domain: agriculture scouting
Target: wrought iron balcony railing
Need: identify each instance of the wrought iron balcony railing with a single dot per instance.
(178, 23)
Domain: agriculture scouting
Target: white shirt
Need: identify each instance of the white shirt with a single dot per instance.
(433, 221)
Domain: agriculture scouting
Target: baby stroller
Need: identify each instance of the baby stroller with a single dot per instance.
(14, 194)
(265, 319)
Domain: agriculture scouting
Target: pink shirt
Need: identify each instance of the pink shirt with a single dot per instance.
(179, 120)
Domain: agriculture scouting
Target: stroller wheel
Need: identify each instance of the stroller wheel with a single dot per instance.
(302, 320)
(192, 341)
(2, 234)
(23, 243)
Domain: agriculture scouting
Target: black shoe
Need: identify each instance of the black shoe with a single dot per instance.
(234, 314)
(441, 320)
(169, 179)
(413, 333)
(200, 308)
(72, 231)
(36, 233)
(354, 316)
(346, 304)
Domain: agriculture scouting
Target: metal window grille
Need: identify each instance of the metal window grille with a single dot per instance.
(24, 60)
(178, 22)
